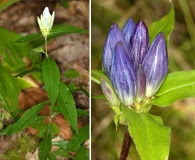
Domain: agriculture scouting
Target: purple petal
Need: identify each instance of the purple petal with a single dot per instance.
(139, 43)
(155, 65)
(114, 36)
(123, 75)
(128, 30)
(141, 84)
(109, 93)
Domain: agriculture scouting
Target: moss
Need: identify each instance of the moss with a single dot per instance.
(22, 145)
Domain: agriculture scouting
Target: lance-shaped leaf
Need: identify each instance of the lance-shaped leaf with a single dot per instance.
(123, 75)
(139, 43)
(27, 117)
(51, 78)
(67, 105)
(128, 29)
(177, 86)
(45, 146)
(155, 65)
(151, 137)
(115, 35)
(165, 25)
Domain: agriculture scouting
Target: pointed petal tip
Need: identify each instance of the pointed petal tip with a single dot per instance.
(141, 23)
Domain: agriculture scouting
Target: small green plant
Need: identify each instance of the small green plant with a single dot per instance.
(60, 96)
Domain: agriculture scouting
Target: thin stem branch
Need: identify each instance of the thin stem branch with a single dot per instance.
(46, 46)
(126, 146)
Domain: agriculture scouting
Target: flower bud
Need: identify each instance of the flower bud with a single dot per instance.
(139, 43)
(155, 65)
(122, 75)
(114, 36)
(128, 30)
(109, 93)
(46, 22)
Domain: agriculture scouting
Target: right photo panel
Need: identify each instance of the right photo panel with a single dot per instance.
(142, 80)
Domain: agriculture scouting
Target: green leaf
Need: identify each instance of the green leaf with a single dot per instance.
(67, 105)
(7, 3)
(62, 152)
(165, 25)
(9, 90)
(36, 55)
(152, 139)
(12, 54)
(81, 112)
(51, 78)
(71, 73)
(61, 144)
(82, 154)
(51, 157)
(177, 86)
(96, 76)
(43, 127)
(45, 147)
(38, 39)
(31, 70)
(78, 138)
(27, 117)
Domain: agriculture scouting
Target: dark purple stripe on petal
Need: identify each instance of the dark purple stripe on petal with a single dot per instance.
(139, 43)
(155, 65)
(123, 75)
(141, 84)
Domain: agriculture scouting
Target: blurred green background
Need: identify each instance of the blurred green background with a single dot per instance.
(106, 140)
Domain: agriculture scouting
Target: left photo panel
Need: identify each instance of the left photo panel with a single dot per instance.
(44, 80)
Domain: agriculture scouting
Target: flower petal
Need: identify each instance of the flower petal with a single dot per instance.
(122, 75)
(109, 93)
(141, 84)
(128, 30)
(114, 36)
(155, 65)
(139, 43)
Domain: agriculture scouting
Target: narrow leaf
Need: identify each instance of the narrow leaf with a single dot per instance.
(177, 86)
(5, 4)
(9, 90)
(61, 144)
(67, 105)
(165, 25)
(82, 154)
(152, 139)
(27, 117)
(51, 78)
(45, 147)
(38, 39)
(78, 138)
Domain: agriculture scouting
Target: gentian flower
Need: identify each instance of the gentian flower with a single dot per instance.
(46, 22)
(135, 68)
(109, 93)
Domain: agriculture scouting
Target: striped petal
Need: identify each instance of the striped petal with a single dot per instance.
(155, 65)
(122, 75)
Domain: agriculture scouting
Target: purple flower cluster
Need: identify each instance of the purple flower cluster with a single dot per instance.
(135, 68)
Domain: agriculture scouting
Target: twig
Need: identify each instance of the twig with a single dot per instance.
(126, 146)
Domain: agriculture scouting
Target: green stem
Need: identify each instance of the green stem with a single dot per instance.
(46, 46)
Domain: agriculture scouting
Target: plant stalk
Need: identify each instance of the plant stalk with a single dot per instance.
(126, 146)
(46, 46)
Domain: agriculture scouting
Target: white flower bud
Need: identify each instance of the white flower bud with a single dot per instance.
(46, 22)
